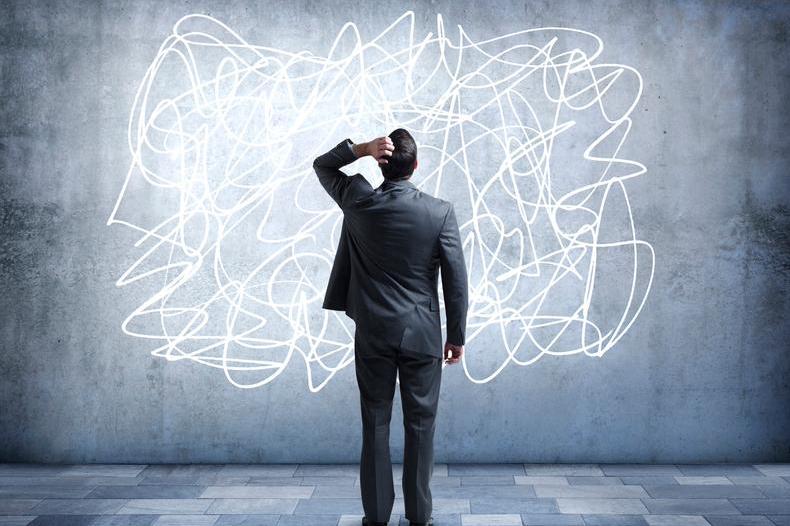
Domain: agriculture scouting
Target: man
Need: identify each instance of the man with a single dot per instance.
(393, 241)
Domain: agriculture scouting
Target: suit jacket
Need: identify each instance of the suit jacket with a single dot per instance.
(393, 242)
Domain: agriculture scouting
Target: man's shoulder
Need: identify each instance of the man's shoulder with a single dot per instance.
(435, 207)
(437, 202)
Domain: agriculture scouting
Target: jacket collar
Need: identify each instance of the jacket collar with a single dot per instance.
(397, 182)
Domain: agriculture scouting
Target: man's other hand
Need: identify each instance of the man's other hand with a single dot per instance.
(452, 353)
(377, 148)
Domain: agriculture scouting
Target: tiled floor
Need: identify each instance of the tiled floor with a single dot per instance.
(463, 494)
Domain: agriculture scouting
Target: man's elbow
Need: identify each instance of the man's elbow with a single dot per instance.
(318, 167)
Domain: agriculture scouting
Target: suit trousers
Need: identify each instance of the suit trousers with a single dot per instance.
(377, 366)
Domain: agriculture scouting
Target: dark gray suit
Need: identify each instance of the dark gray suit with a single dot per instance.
(393, 241)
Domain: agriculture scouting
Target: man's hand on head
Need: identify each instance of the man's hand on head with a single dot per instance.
(379, 149)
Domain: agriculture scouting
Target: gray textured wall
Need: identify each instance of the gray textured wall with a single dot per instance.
(702, 375)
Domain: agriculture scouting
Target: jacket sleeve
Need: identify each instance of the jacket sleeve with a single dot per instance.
(337, 184)
(454, 279)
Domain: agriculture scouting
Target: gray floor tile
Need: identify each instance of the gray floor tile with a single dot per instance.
(648, 480)
(254, 506)
(106, 470)
(36, 470)
(146, 492)
(478, 492)
(258, 470)
(258, 492)
(700, 506)
(738, 520)
(124, 520)
(779, 470)
(439, 469)
(546, 480)
(356, 520)
(100, 480)
(762, 506)
(676, 520)
(620, 491)
(718, 469)
(64, 520)
(317, 494)
(75, 481)
(630, 470)
(196, 480)
(601, 506)
(688, 491)
(477, 470)
(323, 506)
(310, 520)
(343, 492)
(442, 507)
(186, 520)
(25, 491)
(327, 470)
(16, 520)
(614, 520)
(247, 520)
(182, 470)
(280, 481)
(488, 480)
(440, 520)
(594, 481)
(165, 506)
(766, 480)
(78, 506)
(584, 470)
(444, 482)
(499, 505)
(17, 506)
(552, 519)
(716, 480)
(502, 519)
(313, 481)
(775, 492)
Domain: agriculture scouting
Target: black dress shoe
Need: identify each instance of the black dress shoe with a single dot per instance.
(429, 523)
(366, 522)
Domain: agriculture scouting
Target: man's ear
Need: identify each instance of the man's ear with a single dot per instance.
(416, 163)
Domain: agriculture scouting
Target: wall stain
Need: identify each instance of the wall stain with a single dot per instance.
(771, 232)
(28, 235)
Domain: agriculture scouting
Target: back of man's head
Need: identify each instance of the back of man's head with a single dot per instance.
(401, 164)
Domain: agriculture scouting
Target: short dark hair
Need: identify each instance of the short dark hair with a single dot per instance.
(400, 164)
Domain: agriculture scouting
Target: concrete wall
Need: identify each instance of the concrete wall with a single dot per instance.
(701, 375)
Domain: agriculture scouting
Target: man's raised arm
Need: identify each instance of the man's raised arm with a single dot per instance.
(327, 166)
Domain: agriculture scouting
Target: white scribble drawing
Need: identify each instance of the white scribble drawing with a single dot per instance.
(522, 131)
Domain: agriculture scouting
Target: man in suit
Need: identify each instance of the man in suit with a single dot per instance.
(393, 242)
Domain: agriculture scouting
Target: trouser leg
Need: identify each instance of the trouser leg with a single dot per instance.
(420, 380)
(376, 371)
